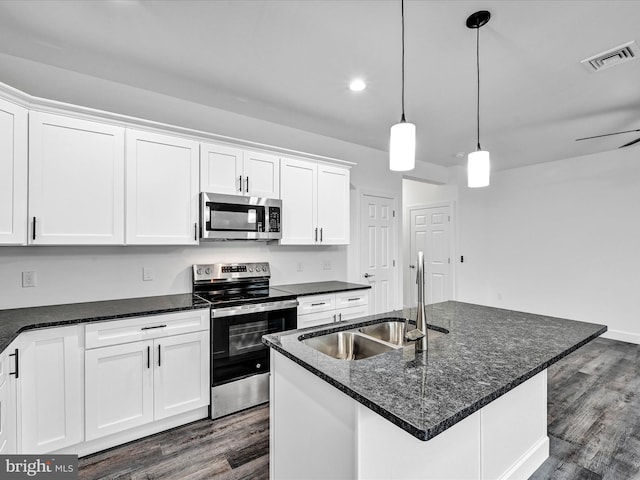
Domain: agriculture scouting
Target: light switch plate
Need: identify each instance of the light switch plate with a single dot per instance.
(28, 279)
(147, 274)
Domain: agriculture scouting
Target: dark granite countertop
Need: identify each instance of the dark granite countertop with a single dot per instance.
(16, 320)
(317, 288)
(487, 352)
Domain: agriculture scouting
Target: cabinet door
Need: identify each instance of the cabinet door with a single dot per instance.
(8, 410)
(50, 386)
(162, 189)
(221, 169)
(118, 388)
(76, 181)
(333, 205)
(352, 312)
(181, 374)
(261, 175)
(298, 194)
(13, 174)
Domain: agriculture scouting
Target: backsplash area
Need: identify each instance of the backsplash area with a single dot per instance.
(82, 274)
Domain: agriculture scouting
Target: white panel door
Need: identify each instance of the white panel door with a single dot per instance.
(221, 169)
(430, 233)
(377, 227)
(162, 189)
(76, 181)
(13, 174)
(261, 175)
(181, 373)
(333, 205)
(298, 194)
(118, 388)
(50, 400)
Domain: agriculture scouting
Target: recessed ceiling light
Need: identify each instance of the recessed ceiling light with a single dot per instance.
(357, 85)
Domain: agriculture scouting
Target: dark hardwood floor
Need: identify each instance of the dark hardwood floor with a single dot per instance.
(594, 430)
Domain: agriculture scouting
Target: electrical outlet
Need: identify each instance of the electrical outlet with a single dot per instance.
(28, 279)
(300, 267)
(147, 274)
(326, 265)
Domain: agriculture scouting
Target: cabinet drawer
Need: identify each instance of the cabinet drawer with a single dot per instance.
(315, 319)
(354, 298)
(316, 303)
(102, 334)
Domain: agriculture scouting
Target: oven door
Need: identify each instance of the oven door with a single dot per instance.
(237, 333)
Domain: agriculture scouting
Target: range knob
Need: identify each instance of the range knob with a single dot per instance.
(208, 271)
(258, 365)
(250, 269)
(199, 271)
(264, 269)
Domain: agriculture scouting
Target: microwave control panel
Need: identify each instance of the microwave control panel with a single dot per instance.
(274, 219)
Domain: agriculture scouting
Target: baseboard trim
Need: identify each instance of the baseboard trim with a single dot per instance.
(529, 462)
(628, 337)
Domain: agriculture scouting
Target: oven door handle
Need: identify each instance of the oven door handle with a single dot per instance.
(253, 308)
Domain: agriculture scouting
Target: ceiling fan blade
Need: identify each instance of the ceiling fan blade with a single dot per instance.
(630, 143)
(608, 134)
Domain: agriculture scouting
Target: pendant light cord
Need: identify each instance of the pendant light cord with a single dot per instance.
(478, 70)
(402, 119)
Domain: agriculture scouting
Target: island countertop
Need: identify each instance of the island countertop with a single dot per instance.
(487, 352)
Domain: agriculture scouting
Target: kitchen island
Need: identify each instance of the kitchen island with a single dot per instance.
(473, 407)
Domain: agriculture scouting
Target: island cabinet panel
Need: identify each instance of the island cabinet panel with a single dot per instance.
(13, 174)
(50, 389)
(312, 426)
(8, 410)
(76, 181)
(506, 439)
(162, 189)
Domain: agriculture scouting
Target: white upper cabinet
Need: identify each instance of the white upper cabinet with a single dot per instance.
(233, 171)
(13, 174)
(76, 181)
(333, 204)
(315, 203)
(299, 198)
(162, 189)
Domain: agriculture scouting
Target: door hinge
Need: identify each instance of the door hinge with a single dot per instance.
(449, 260)
(394, 263)
(394, 213)
(449, 216)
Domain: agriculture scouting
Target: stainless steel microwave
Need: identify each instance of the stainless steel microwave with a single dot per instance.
(234, 217)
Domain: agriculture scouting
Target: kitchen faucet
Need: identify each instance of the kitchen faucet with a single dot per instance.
(419, 334)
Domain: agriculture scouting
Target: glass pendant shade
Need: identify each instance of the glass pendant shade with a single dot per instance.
(478, 168)
(402, 147)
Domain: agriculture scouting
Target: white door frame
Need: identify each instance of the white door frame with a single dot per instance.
(396, 252)
(453, 242)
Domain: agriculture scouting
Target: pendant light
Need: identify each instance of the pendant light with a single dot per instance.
(402, 142)
(478, 163)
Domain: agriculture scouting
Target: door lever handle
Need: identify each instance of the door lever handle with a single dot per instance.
(367, 275)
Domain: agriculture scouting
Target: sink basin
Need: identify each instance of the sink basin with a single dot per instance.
(393, 332)
(347, 346)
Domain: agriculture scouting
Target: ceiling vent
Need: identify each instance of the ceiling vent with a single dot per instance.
(612, 57)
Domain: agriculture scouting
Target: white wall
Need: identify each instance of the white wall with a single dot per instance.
(558, 238)
(75, 274)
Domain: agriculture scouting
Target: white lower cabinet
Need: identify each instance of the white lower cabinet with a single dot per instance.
(133, 384)
(50, 389)
(314, 310)
(8, 411)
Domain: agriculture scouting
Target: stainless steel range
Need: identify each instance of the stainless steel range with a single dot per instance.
(243, 309)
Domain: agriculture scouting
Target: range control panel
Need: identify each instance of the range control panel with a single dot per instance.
(228, 271)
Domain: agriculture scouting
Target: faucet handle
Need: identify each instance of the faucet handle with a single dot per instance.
(414, 335)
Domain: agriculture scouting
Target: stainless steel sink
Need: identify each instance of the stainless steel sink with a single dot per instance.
(347, 346)
(393, 332)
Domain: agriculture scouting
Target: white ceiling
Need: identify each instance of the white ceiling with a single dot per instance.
(290, 61)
